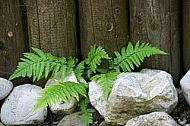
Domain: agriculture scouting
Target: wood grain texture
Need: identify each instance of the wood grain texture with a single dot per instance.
(52, 26)
(13, 40)
(186, 35)
(103, 23)
(158, 22)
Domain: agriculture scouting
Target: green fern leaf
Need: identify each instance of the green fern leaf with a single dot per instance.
(64, 90)
(79, 70)
(39, 52)
(71, 64)
(131, 56)
(105, 81)
(39, 65)
(86, 114)
(32, 57)
(94, 58)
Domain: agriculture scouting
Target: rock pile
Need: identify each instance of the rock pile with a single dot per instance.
(136, 99)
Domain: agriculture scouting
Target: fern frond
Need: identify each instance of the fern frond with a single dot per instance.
(86, 114)
(105, 81)
(79, 70)
(93, 60)
(131, 56)
(64, 90)
(41, 64)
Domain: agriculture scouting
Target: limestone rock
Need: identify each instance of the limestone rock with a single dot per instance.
(134, 94)
(1, 124)
(18, 107)
(71, 120)
(62, 107)
(185, 86)
(5, 87)
(152, 119)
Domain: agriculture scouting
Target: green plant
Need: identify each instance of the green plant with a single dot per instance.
(40, 65)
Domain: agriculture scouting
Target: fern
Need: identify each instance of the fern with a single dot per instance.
(64, 90)
(86, 114)
(79, 70)
(131, 56)
(105, 81)
(41, 64)
(94, 59)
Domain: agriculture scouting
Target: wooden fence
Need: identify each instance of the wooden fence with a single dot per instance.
(69, 27)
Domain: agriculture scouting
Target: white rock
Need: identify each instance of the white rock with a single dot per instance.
(134, 94)
(64, 107)
(152, 119)
(5, 87)
(186, 125)
(185, 86)
(18, 107)
(182, 122)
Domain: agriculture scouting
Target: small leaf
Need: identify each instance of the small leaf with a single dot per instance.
(105, 81)
(39, 52)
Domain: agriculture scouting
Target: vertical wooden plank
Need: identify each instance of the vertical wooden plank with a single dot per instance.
(103, 23)
(12, 37)
(52, 26)
(158, 22)
(186, 35)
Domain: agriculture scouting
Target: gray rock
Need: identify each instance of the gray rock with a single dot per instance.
(71, 120)
(134, 94)
(18, 107)
(64, 107)
(152, 119)
(185, 86)
(1, 124)
(5, 87)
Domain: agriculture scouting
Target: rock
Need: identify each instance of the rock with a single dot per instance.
(185, 86)
(103, 123)
(71, 120)
(5, 87)
(64, 107)
(134, 94)
(152, 119)
(1, 124)
(18, 107)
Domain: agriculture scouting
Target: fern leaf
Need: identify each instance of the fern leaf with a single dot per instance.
(79, 70)
(39, 52)
(33, 57)
(64, 90)
(86, 114)
(105, 81)
(133, 55)
(94, 58)
(71, 64)
(39, 65)
(63, 70)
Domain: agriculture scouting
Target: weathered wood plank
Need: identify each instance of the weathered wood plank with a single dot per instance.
(103, 23)
(13, 40)
(186, 35)
(52, 26)
(158, 22)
